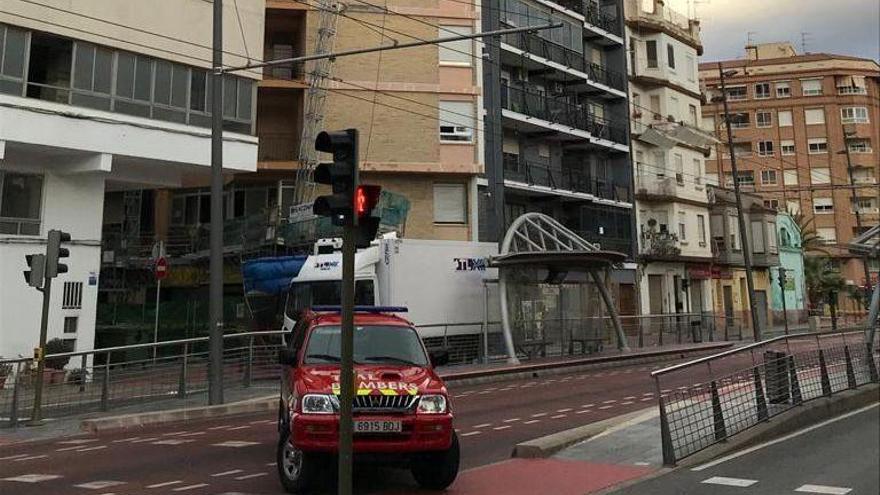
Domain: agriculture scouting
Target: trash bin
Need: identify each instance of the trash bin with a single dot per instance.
(776, 377)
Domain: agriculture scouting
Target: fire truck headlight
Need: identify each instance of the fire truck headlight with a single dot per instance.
(318, 404)
(432, 404)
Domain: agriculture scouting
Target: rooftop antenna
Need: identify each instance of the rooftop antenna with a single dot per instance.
(805, 39)
(750, 38)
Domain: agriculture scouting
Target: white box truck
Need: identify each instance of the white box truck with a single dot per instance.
(447, 286)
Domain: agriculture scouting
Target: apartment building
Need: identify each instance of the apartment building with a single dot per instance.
(669, 151)
(799, 121)
(109, 96)
(731, 296)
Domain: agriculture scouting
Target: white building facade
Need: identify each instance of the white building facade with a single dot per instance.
(113, 95)
(669, 150)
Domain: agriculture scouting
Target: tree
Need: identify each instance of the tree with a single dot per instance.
(811, 242)
(821, 278)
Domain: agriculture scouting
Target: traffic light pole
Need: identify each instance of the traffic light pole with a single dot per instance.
(37, 415)
(782, 282)
(346, 377)
(215, 291)
(743, 232)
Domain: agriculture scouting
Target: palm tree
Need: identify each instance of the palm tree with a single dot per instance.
(821, 278)
(811, 242)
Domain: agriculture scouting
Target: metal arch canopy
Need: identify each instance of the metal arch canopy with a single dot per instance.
(868, 244)
(537, 240)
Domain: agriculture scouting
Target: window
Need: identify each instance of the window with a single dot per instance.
(757, 237)
(456, 121)
(793, 206)
(864, 175)
(762, 91)
(814, 116)
(709, 123)
(660, 163)
(172, 82)
(72, 298)
(655, 107)
(865, 205)
(737, 93)
(698, 171)
(741, 149)
(851, 85)
(823, 205)
(701, 229)
(673, 107)
(134, 76)
(768, 177)
(811, 87)
(817, 145)
(678, 160)
(764, 119)
(92, 76)
(651, 50)
(854, 115)
(199, 91)
(790, 177)
(771, 235)
(784, 117)
(820, 176)
(682, 227)
(733, 231)
(783, 89)
(765, 148)
(859, 145)
(237, 103)
(21, 198)
(49, 68)
(739, 120)
(456, 52)
(670, 55)
(787, 147)
(450, 203)
(691, 68)
(692, 113)
(70, 324)
(746, 177)
(773, 204)
(827, 234)
(13, 45)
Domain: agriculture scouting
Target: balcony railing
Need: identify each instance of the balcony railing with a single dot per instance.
(278, 146)
(567, 179)
(559, 111)
(602, 20)
(660, 244)
(607, 243)
(606, 76)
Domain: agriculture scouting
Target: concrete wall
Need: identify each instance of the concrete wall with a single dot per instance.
(178, 30)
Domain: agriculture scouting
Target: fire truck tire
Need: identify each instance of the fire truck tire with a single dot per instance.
(437, 470)
(297, 470)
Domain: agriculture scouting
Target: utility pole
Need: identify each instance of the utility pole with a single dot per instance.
(492, 123)
(855, 204)
(743, 232)
(215, 291)
(782, 280)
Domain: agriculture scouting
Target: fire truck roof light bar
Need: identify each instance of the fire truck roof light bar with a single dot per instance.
(361, 309)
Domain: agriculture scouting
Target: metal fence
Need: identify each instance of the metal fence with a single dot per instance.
(707, 400)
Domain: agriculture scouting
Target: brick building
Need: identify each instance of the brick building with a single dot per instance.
(793, 118)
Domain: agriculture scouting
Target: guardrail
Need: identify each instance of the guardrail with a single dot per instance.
(744, 387)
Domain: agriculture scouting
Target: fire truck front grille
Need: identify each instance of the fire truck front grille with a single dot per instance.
(384, 403)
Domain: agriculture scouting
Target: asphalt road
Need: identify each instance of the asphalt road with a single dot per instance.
(237, 454)
(839, 458)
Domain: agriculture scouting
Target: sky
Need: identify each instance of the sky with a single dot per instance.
(844, 27)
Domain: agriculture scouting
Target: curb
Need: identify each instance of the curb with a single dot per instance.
(101, 425)
(550, 444)
(810, 413)
(574, 365)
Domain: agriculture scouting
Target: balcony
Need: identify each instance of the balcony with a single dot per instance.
(659, 245)
(565, 179)
(603, 20)
(278, 146)
(556, 110)
(652, 187)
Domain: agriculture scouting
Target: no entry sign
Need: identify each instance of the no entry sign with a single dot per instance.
(161, 269)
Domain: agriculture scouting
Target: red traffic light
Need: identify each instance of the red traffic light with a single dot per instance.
(365, 199)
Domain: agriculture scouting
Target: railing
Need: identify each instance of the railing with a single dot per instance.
(708, 400)
(660, 244)
(606, 76)
(567, 178)
(607, 242)
(600, 19)
(277, 146)
(559, 111)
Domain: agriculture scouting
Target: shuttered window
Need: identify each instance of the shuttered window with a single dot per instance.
(450, 203)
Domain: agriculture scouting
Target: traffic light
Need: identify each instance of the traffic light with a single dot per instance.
(37, 270)
(341, 175)
(782, 277)
(54, 253)
(365, 200)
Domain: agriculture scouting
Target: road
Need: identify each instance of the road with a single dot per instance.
(838, 458)
(237, 454)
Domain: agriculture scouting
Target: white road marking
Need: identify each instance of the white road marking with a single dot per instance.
(642, 463)
(585, 411)
(558, 416)
(272, 464)
(31, 458)
(238, 428)
(194, 434)
(829, 490)
(539, 415)
(471, 433)
(721, 480)
(646, 399)
(190, 487)
(612, 401)
(33, 478)
(167, 483)
(227, 473)
(587, 405)
(626, 403)
(666, 391)
(511, 420)
(65, 449)
(173, 441)
(221, 427)
(647, 394)
(484, 392)
(129, 439)
(606, 407)
(174, 433)
(99, 485)
(10, 457)
(257, 422)
(78, 441)
(249, 476)
(87, 449)
(501, 427)
(483, 425)
(505, 389)
(782, 439)
(235, 444)
(143, 440)
(531, 421)
(459, 396)
(631, 397)
(564, 410)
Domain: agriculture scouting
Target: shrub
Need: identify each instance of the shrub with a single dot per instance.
(58, 346)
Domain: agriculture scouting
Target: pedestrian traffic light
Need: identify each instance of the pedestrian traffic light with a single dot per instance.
(341, 175)
(37, 270)
(365, 200)
(54, 253)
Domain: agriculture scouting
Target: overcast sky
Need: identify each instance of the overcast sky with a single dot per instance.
(845, 27)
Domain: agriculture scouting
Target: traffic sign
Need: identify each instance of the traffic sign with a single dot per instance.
(161, 270)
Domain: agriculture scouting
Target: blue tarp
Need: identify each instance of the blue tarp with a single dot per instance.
(270, 276)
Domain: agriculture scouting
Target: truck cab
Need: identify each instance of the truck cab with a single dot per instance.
(402, 412)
